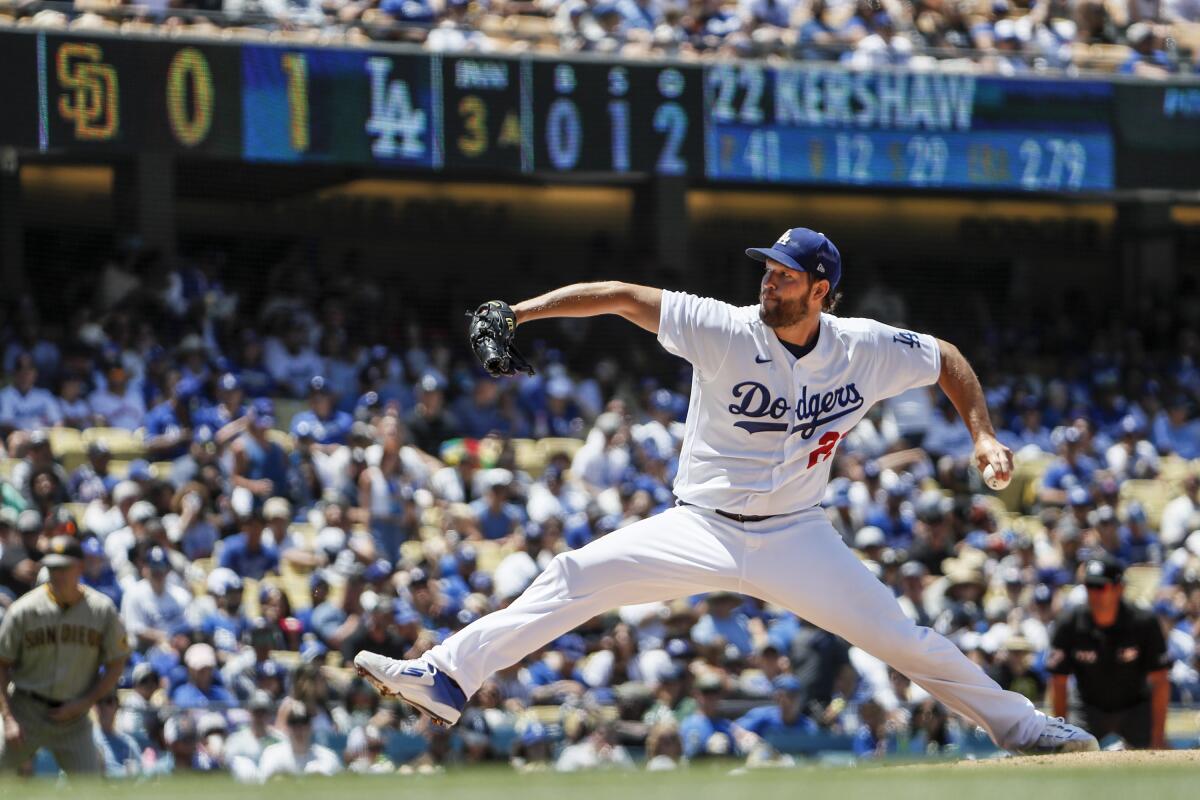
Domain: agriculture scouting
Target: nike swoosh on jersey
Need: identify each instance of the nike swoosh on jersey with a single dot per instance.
(760, 360)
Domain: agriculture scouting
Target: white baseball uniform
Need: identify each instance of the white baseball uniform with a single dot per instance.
(762, 428)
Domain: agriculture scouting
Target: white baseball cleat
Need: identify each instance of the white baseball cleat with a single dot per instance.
(1059, 736)
(418, 683)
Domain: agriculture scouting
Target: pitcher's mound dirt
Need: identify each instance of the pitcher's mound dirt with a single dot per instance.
(1120, 758)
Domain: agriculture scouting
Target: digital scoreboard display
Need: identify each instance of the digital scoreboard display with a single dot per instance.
(730, 122)
(486, 117)
(344, 106)
(617, 118)
(907, 130)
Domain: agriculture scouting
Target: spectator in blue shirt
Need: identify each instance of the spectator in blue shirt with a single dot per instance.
(873, 739)
(1071, 468)
(496, 516)
(1138, 542)
(246, 553)
(252, 373)
(1175, 432)
(169, 424)
(224, 626)
(92, 480)
(705, 732)
(407, 10)
(260, 466)
(556, 677)
(1148, 58)
(724, 624)
(1030, 430)
(328, 425)
(96, 571)
(896, 519)
(120, 752)
(785, 717)
(479, 412)
(229, 405)
(201, 691)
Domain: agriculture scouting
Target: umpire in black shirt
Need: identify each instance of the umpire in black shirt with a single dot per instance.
(1118, 655)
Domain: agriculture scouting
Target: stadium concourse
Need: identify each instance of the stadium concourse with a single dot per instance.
(1150, 38)
(266, 486)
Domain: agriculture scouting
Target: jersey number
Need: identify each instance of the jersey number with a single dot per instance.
(824, 452)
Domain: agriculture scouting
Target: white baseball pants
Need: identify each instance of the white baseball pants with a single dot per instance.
(797, 561)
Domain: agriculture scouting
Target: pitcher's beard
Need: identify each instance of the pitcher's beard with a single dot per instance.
(781, 314)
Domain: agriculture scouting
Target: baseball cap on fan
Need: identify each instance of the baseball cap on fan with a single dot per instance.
(804, 250)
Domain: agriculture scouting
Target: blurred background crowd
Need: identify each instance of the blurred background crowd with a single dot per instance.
(265, 484)
(1152, 38)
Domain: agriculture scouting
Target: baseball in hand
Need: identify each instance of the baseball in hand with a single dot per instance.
(993, 481)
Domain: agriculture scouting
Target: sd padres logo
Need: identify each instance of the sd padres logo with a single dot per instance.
(92, 102)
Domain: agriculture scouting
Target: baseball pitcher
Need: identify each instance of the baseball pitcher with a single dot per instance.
(53, 641)
(776, 387)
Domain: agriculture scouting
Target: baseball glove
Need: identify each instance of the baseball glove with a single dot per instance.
(493, 330)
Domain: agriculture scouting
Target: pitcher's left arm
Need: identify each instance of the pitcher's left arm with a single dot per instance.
(961, 385)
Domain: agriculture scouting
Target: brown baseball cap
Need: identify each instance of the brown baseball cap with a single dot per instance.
(62, 552)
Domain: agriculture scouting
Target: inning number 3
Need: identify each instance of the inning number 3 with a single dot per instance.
(824, 452)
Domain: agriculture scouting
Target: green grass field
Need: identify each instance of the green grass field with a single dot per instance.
(1100, 776)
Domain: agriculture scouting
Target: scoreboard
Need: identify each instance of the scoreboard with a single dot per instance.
(617, 118)
(723, 122)
(897, 129)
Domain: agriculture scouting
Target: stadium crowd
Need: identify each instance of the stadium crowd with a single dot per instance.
(265, 489)
(1152, 38)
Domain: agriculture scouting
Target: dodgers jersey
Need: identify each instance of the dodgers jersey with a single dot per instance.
(762, 425)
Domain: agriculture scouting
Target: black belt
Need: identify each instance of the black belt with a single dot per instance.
(44, 700)
(736, 517)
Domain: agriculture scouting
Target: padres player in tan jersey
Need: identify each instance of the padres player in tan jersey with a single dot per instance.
(53, 641)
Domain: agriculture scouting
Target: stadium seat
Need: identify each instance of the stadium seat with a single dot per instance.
(281, 438)
(488, 555)
(529, 456)
(1152, 494)
(77, 510)
(285, 409)
(552, 445)
(1172, 468)
(121, 443)
(1141, 583)
(1187, 34)
(68, 447)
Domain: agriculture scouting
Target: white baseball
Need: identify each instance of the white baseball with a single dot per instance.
(990, 478)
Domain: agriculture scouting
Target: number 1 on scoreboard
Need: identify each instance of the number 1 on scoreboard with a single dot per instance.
(295, 65)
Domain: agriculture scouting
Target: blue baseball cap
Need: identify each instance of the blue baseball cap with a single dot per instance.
(228, 382)
(534, 733)
(157, 559)
(187, 388)
(804, 250)
(268, 669)
(570, 645)
(1078, 496)
(787, 683)
(378, 570)
(139, 470)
